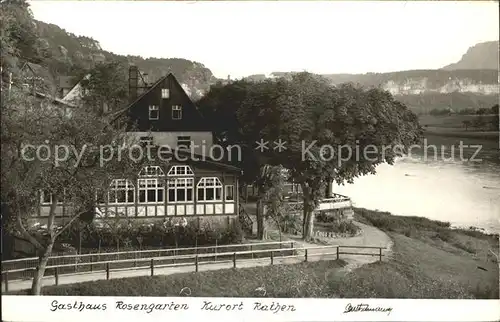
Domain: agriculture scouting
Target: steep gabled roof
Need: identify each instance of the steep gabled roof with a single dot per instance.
(119, 113)
(54, 99)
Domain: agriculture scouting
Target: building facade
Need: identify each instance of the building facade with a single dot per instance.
(190, 183)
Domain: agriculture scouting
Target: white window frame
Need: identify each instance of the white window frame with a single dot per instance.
(180, 184)
(227, 188)
(152, 171)
(165, 93)
(209, 183)
(147, 185)
(121, 185)
(180, 171)
(154, 108)
(176, 109)
(42, 195)
(146, 140)
(182, 141)
(151, 179)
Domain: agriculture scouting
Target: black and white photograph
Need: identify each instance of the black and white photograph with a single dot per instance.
(250, 160)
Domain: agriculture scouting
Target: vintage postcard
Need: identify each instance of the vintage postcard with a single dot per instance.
(250, 161)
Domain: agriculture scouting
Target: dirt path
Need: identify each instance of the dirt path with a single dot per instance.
(369, 236)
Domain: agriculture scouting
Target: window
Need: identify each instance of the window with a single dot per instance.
(121, 191)
(180, 189)
(165, 93)
(151, 190)
(176, 112)
(180, 170)
(184, 142)
(45, 197)
(154, 112)
(209, 189)
(230, 193)
(151, 171)
(146, 140)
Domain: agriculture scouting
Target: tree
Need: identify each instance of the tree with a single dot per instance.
(105, 87)
(495, 109)
(479, 122)
(328, 123)
(77, 176)
(18, 37)
(274, 200)
(222, 107)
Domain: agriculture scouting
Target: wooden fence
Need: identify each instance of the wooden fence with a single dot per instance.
(196, 259)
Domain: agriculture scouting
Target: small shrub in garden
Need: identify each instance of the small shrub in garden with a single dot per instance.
(152, 234)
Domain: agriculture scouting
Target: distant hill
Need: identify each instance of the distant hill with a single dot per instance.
(471, 82)
(67, 50)
(480, 56)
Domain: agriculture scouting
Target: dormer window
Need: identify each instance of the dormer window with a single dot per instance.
(184, 142)
(146, 140)
(154, 112)
(176, 112)
(165, 93)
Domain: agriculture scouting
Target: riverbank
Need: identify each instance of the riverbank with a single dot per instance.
(428, 260)
(461, 134)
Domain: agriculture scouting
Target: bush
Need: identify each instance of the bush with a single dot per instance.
(133, 234)
(291, 224)
(444, 235)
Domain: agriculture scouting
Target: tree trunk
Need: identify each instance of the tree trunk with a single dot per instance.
(308, 223)
(308, 220)
(36, 287)
(260, 219)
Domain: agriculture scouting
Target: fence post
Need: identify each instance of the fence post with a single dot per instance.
(107, 271)
(338, 253)
(135, 259)
(291, 245)
(6, 274)
(196, 263)
(234, 260)
(306, 255)
(152, 266)
(56, 275)
(251, 249)
(272, 257)
(380, 254)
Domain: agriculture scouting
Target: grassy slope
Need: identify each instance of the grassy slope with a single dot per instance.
(429, 260)
(452, 126)
(300, 280)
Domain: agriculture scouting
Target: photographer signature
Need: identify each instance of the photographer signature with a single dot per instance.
(366, 308)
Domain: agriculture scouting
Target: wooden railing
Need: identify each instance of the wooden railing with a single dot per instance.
(195, 260)
(75, 260)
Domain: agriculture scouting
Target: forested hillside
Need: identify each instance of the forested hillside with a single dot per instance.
(63, 53)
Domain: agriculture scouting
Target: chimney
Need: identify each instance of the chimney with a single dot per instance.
(133, 75)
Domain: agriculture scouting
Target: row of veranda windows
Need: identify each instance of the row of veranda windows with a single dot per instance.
(152, 190)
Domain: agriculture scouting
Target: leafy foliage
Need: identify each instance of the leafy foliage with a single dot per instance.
(306, 111)
(76, 137)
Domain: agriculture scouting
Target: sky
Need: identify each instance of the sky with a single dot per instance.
(244, 38)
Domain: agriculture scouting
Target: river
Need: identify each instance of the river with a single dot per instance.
(464, 193)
